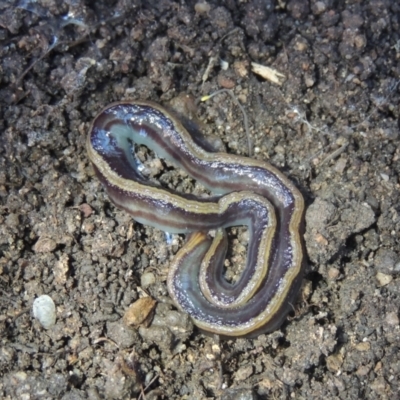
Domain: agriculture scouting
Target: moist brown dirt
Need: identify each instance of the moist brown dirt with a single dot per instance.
(332, 126)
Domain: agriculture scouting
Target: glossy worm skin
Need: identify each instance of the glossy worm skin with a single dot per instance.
(246, 192)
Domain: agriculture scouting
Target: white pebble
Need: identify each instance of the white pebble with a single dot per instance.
(202, 8)
(44, 310)
(223, 64)
(385, 177)
(147, 279)
(383, 279)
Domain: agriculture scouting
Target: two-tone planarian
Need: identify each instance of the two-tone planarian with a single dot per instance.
(245, 192)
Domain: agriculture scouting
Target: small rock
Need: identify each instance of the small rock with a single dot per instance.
(120, 334)
(363, 346)
(61, 269)
(333, 273)
(202, 8)
(147, 279)
(241, 68)
(392, 318)
(44, 310)
(162, 336)
(86, 210)
(383, 279)
(44, 245)
(385, 260)
(334, 362)
(225, 81)
(363, 370)
(121, 381)
(243, 373)
(140, 312)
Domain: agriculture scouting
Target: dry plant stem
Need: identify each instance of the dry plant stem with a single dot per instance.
(210, 66)
(229, 33)
(142, 395)
(245, 119)
(104, 339)
(34, 62)
(335, 153)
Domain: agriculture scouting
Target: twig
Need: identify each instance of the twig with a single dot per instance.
(334, 154)
(104, 339)
(142, 395)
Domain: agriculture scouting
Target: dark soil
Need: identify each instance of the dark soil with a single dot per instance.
(332, 126)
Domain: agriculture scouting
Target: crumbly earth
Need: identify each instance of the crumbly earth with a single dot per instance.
(332, 126)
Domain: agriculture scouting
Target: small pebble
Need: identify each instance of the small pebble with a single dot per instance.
(244, 373)
(44, 245)
(86, 210)
(139, 312)
(202, 8)
(225, 81)
(333, 273)
(383, 279)
(241, 68)
(363, 346)
(340, 165)
(363, 370)
(44, 310)
(147, 279)
(321, 239)
(334, 362)
(224, 65)
(385, 177)
(392, 318)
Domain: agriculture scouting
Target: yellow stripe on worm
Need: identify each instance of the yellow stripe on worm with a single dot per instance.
(246, 192)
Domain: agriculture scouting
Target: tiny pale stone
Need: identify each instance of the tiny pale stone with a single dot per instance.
(139, 312)
(321, 239)
(392, 318)
(333, 273)
(202, 8)
(383, 279)
(44, 245)
(147, 279)
(334, 362)
(243, 373)
(363, 346)
(44, 310)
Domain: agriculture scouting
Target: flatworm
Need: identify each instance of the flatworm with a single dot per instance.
(246, 192)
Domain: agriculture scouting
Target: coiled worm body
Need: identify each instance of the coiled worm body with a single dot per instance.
(246, 192)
